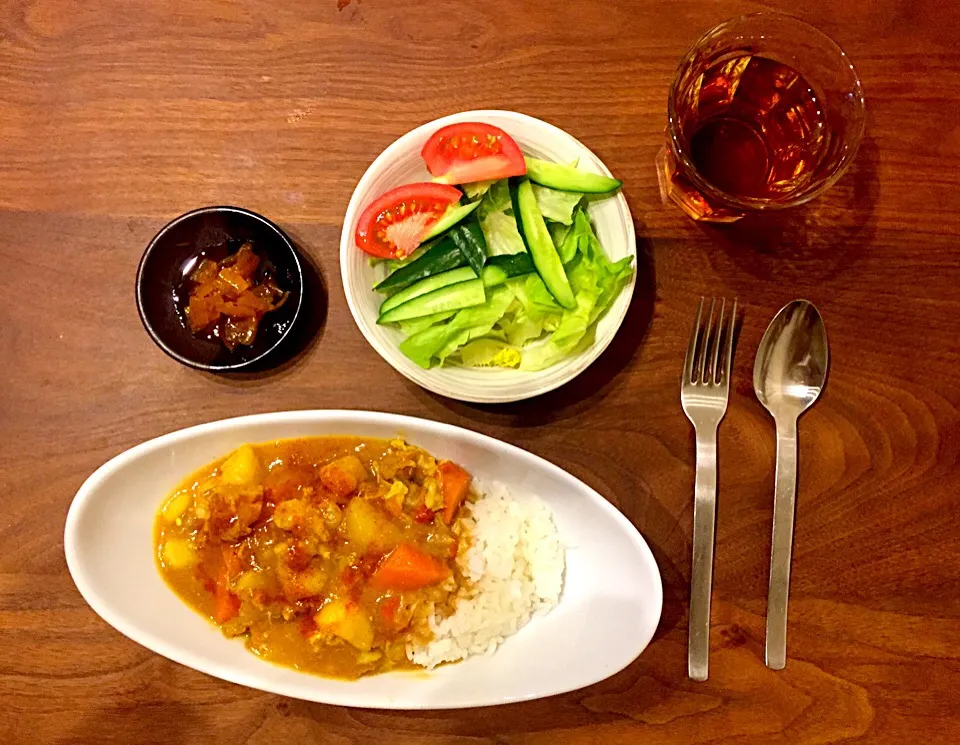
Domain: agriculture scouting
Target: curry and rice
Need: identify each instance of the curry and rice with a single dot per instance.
(346, 557)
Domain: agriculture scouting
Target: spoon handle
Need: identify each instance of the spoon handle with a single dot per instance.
(701, 572)
(784, 506)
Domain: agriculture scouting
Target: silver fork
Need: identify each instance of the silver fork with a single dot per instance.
(703, 394)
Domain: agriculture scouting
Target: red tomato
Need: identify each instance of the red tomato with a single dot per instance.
(472, 151)
(392, 226)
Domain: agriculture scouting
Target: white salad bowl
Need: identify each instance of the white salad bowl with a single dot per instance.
(607, 614)
(401, 164)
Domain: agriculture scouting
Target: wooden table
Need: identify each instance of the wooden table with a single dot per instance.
(117, 115)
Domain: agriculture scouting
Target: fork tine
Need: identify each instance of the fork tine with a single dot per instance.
(692, 347)
(705, 343)
(715, 368)
(729, 360)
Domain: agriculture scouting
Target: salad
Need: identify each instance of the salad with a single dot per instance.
(495, 262)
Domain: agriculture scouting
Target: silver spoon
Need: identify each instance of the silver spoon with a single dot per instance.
(788, 375)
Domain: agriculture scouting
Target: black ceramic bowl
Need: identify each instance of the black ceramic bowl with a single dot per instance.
(215, 232)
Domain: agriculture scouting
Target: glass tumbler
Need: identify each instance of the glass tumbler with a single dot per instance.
(765, 112)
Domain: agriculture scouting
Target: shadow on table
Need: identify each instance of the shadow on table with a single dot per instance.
(809, 244)
(304, 336)
(594, 383)
(668, 537)
(675, 581)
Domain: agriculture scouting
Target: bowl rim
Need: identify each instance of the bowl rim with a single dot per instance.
(421, 377)
(152, 245)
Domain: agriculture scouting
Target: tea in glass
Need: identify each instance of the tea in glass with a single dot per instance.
(765, 112)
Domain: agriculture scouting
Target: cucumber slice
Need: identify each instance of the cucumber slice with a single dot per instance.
(448, 219)
(542, 250)
(567, 178)
(493, 276)
(394, 264)
(451, 297)
(469, 239)
(441, 258)
(514, 183)
(416, 325)
(431, 283)
(513, 264)
(501, 268)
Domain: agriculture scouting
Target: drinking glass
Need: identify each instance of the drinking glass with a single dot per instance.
(765, 112)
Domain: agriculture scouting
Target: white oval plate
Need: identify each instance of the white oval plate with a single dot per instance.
(400, 164)
(607, 615)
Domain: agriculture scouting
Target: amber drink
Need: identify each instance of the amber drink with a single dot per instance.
(765, 112)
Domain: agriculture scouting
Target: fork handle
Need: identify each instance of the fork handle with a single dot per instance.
(781, 549)
(701, 573)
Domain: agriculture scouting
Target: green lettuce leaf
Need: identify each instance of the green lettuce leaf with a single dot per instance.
(584, 279)
(487, 352)
(612, 280)
(576, 238)
(501, 233)
(534, 297)
(496, 199)
(433, 345)
(559, 232)
(533, 312)
(519, 329)
(423, 345)
(498, 223)
(476, 189)
(416, 325)
(611, 277)
(556, 205)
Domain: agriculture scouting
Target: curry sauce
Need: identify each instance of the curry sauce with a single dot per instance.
(327, 554)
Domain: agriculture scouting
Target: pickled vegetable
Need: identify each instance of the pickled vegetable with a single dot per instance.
(227, 300)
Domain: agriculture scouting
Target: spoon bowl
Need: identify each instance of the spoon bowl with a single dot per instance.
(791, 366)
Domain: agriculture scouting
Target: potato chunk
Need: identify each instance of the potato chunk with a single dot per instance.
(176, 505)
(368, 527)
(346, 621)
(178, 553)
(242, 468)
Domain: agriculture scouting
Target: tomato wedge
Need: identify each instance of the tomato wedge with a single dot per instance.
(392, 226)
(472, 151)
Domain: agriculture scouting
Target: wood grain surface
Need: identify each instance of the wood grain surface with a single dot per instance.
(117, 115)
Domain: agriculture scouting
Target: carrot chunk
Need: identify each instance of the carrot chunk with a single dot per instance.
(226, 605)
(389, 607)
(455, 483)
(408, 568)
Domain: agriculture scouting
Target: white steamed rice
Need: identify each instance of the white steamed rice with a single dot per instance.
(514, 570)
